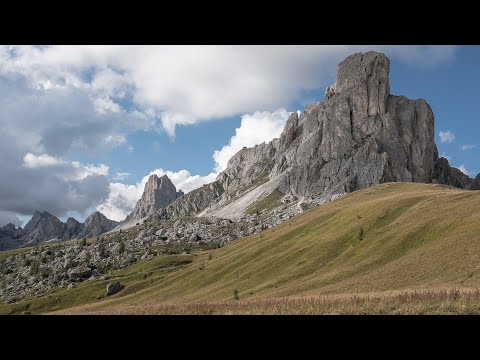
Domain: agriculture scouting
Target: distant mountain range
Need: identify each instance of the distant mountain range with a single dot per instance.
(46, 227)
(43, 227)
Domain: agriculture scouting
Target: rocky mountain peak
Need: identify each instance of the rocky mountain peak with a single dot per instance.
(359, 135)
(366, 75)
(43, 218)
(96, 224)
(158, 193)
(9, 228)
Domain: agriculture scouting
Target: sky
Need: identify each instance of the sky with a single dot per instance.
(84, 126)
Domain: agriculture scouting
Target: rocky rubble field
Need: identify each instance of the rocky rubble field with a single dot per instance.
(38, 270)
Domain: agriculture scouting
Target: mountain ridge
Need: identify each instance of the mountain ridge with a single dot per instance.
(44, 227)
(359, 135)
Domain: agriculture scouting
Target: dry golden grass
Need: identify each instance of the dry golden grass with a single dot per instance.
(417, 237)
(428, 302)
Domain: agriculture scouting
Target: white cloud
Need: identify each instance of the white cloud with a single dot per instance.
(463, 169)
(122, 198)
(7, 217)
(222, 81)
(121, 175)
(105, 105)
(446, 136)
(254, 129)
(82, 171)
(73, 170)
(33, 161)
(468, 147)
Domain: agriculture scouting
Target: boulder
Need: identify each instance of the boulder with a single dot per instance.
(79, 272)
(160, 233)
(113, 288)
(194, 238)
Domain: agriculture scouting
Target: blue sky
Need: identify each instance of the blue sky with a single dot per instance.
(89, 124)
(451, 90)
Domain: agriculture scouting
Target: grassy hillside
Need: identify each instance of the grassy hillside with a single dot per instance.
(383, 242)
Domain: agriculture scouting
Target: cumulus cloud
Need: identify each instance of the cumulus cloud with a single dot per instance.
(463, 169)
(44, 160)
(40, 181)
(468, 147)
(222, 81)
(121, 175)
(254, 129)
(446, 136)
(73, 170)
(122, 198)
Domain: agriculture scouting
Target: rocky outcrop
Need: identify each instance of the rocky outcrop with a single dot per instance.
(12, 231)
(193, 202)
(358, 136)
(10, 236)
(158, 193)
(475, 184)
(96, 224)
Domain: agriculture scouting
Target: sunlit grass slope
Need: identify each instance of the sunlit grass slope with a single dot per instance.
(389, 237)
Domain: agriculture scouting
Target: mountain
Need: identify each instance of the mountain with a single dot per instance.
(96, 224)
(359, 135)
(72, 230)
(9, 236)
(44, 226)
(158, 193)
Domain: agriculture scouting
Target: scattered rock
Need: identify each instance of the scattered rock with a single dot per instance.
(80, 272)
(194, 238)
(113, 288)
(160, 233)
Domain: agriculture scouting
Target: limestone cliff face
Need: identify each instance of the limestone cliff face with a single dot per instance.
(194, 202)
(359, 135)
(158, 193)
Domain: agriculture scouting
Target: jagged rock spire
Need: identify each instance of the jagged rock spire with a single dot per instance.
(158, 193)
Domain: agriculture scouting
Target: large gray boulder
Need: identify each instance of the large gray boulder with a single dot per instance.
(80, 272)
(113, 288)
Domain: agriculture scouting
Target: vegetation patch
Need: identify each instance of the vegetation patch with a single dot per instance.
(267, 203)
